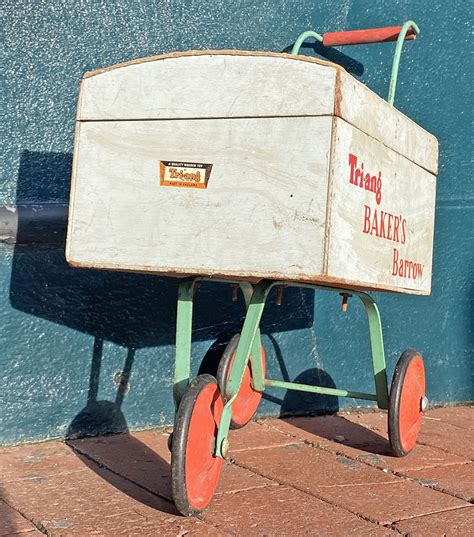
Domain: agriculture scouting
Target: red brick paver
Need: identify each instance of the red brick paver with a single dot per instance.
(328, 476)
(392, 501)
(37, 461)
(308, 468)
(363, 442)
(379, 496)
(460, 416)
(91, 501)
(457, 479)
(455, 523)
(13, 523)
(145, 460)
(449, 438)
(285, 511)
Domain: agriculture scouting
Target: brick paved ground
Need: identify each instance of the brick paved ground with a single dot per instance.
(285, 477)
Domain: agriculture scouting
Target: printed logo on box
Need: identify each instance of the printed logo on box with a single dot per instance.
(184, 174)
(383, 224)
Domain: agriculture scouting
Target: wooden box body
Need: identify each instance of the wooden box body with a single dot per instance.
(250, 165)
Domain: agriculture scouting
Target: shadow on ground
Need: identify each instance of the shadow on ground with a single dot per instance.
(339, 429)
(8, 525)
(130, 466)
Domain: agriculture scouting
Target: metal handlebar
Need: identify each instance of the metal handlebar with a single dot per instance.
(407, 32)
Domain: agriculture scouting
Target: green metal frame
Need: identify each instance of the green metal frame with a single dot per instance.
(302, 38)
(184, 324)
(396, 57)
(249, 346)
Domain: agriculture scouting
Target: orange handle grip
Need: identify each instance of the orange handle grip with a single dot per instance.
(361, 37)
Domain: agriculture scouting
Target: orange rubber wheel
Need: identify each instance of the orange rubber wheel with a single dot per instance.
(195, 470)
(407, 402)
(246, 403)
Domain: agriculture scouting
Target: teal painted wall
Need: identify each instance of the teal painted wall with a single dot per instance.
(65, 333)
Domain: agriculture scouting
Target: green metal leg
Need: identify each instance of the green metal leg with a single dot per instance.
(258, 380)
(184, 326)
(376, 344)
(249, 333)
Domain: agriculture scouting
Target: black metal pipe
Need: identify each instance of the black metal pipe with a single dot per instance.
(33, 223)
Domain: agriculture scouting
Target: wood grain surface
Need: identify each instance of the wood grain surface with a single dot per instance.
(274, 134)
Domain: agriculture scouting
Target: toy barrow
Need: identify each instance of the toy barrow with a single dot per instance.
(261, 170)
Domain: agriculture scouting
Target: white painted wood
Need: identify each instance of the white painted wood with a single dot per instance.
(262, 213)
(212, 85)
(221, 164)
(363, 253)
(360, 106)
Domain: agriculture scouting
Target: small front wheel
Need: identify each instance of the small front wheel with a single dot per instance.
(407, 402)
(246, 403)
(195, 469)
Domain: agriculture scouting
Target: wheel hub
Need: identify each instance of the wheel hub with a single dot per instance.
(424, 404)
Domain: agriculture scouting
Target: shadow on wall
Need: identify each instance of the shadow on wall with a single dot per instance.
(134, 311)
(297, 403)
(331, 54)
(130, 309)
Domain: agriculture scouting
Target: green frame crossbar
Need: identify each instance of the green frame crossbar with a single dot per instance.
(249, 347)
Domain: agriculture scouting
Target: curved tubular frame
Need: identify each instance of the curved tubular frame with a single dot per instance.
(249, 347)
(250, 331)
(396, 57)
(302, 38)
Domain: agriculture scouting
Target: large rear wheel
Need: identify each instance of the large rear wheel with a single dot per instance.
(407, 402)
